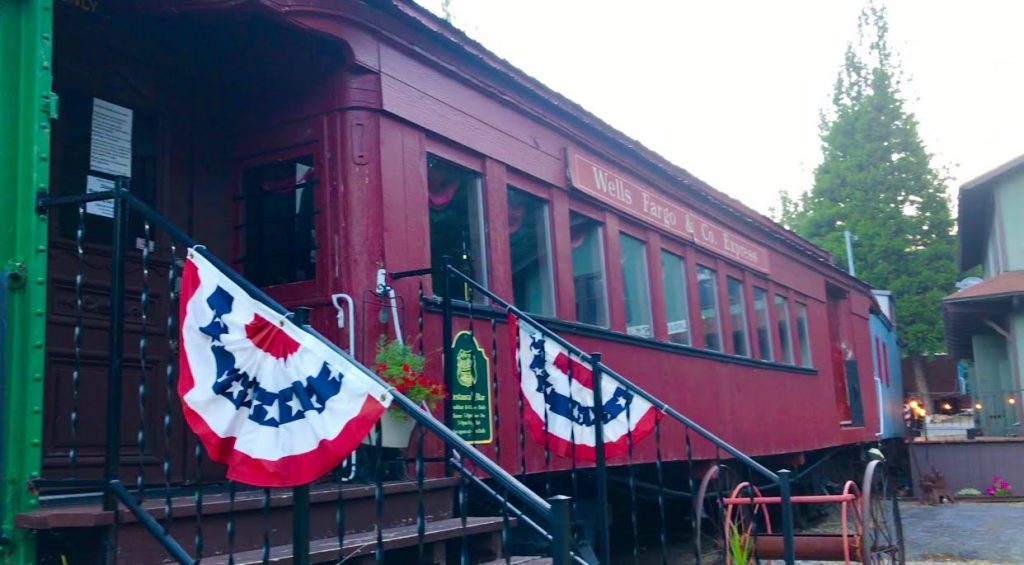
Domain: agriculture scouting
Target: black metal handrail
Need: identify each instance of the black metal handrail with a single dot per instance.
(782, 479)
(519, 514)
(558, 526)
(152, 526)
(665, 408)
(410, 407)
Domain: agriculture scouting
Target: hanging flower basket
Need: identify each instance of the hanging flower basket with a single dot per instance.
(395, 432)
(400, 367)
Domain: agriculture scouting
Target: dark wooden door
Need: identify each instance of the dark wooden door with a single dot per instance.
(103, 68)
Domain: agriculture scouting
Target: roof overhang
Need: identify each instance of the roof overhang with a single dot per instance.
(980, 309)
(975, 210)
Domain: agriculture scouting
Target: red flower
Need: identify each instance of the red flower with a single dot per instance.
(405, 368)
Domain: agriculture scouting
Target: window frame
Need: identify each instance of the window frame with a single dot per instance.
(602, 235)
(744, 315)
(684, 277)
(769, 325)
(323, 261)
(512, 183)
(625, 232)
(461, 160)
(717, 299)
(788, 353)
(806, 351)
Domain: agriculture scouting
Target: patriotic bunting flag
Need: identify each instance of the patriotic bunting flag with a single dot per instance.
(558, 395)
(273, 403)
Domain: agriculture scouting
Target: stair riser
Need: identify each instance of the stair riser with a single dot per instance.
(136, 545)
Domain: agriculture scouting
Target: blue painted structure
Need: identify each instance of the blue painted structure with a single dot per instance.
(885, 353)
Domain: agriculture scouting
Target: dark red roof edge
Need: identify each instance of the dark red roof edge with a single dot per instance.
(435, 24)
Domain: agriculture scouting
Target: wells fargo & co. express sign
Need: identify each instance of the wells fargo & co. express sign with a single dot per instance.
(599, 181)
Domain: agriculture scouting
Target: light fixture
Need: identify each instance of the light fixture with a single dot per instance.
(1012, 400)
(978, 406)
(946, 406)
(914, 404)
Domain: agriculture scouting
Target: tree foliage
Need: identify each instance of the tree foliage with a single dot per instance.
(877, 181)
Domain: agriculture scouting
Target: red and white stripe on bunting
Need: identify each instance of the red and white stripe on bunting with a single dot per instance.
(558, 399)
(272, 402)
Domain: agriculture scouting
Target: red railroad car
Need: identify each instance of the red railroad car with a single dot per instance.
(312, 144)
(423, 143)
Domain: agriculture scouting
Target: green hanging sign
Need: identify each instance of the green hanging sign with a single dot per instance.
(472, 411)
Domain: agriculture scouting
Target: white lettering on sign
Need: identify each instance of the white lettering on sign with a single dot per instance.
(613, 186)
(602, 182)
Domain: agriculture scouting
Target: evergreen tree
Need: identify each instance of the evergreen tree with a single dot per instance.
(876, 180)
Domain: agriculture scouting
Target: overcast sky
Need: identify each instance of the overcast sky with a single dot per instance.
(731, 90)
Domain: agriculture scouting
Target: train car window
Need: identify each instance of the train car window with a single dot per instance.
(738, 316)
(588, 270)
(530, 245)
(637, 286)
(707, 286)
(677, 311)
(785, 339)
(456, 224)
(803, 336)
(764, 324)
(279, 221)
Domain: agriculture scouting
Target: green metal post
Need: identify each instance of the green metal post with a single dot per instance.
(26, 107)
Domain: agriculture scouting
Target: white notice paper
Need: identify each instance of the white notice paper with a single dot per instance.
(103, 208)
(111, 148)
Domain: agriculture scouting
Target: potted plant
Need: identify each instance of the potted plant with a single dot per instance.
(399, 366)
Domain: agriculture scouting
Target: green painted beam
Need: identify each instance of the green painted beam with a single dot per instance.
(27, 106)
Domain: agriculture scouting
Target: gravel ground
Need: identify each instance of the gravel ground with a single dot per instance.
(975, 533)
(972, 533)
(964, 533)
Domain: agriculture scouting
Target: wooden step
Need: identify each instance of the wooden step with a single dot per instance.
(365, 544)
(78, 522)
(87, 515)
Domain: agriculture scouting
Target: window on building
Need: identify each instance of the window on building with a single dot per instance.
(279, 222)
(588, 270)
(456, 224)
(886, 363)
(529, 243)
(803, 335)
(785, 340)
(677, 312)
(707, 286)
(636, 286)
(764, 324)
(738, 317)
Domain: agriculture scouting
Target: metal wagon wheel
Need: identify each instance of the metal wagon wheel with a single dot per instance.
(882, 531)
(743, 522)
(711, 515)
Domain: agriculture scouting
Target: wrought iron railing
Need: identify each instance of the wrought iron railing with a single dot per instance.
(985, 410)
(175, 499)
(680, 446)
